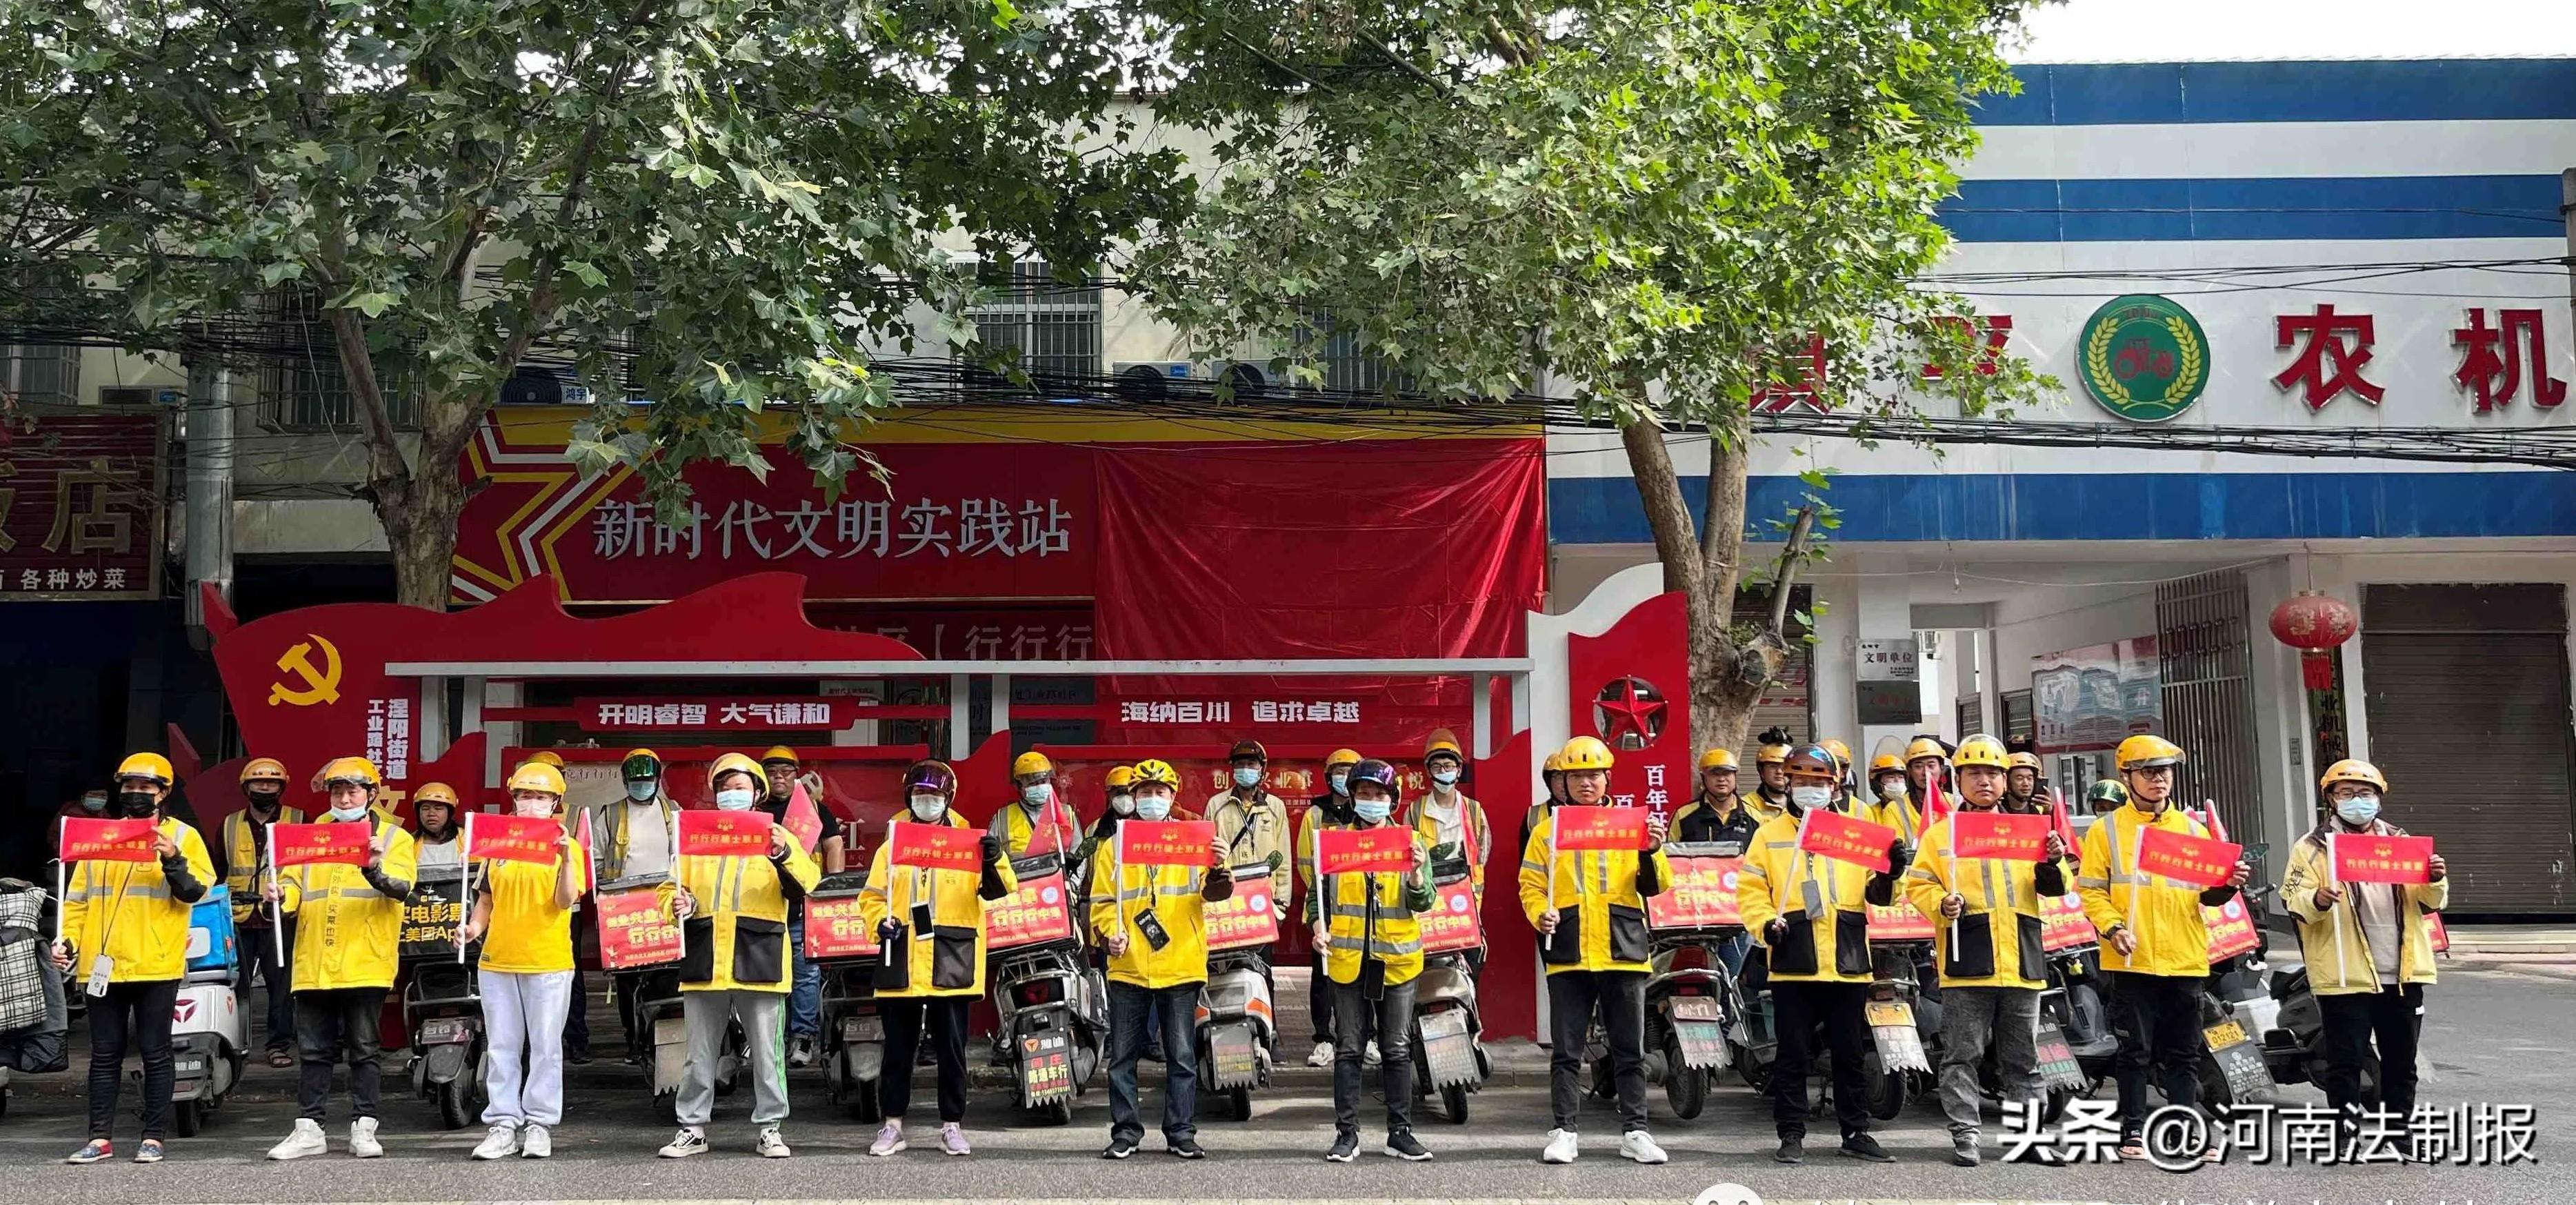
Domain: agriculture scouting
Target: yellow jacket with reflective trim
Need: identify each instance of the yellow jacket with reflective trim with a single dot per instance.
(1831, 948)
(243, 857)
(2173, 937)
(1601, 908)
(1305, 856)
(128, 911)
(2345, 965)
(1898, 814)
(948, 960)
(347, 930)
(1999, 929)
(1378, 912)
(737, 936)
(1021, 838)
(1480, 838)
(1178, 896)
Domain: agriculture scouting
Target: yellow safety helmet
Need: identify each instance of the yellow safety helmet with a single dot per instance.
(779, 753)
(1923, 747)
(1443, 741)
(1340, 757)
(1121, 776)
(1031, 762)
(146, 765)
(534, 775)
(358, 770)
(1841, 752)
(264, 769)
(1555, 764)
(2352, 769)
(1583, 753)
(2023, 761)
(1770, 755)
(434, 792)
(2146, 752)
(1157, 770)
(1885, 763)
(1717, 759)
(640, 765)
(546, 757)
(732, 763)
(1981, 750)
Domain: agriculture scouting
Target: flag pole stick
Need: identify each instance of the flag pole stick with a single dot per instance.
(62, 874)
(465, 889)
(277, 909)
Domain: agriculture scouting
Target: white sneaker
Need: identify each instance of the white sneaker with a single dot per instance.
(1322, 1057)
(689, 1141)
(1640, 1146)
(306, 1140)
(1369, 1058)
(772, 1145)
(535, 1143)
(1562, 1147)
(501, 1143)
(362, 1139)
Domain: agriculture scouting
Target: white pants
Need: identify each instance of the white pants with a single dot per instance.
(523, 1071)
(764, 1027)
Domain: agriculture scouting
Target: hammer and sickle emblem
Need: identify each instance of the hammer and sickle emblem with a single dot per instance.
(320, 686)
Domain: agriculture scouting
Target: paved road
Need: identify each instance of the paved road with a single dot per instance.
(2494, 1036)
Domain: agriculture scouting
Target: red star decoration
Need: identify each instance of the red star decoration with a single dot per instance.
(1629, 711)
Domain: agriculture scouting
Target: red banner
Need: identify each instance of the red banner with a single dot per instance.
(1249, 917)
(2200, 861)
(511, 838)
(1166, 842)
(2231, 928)
(1844, 839)
(2006, 835)
(936, 847)
(306, 844)
(762, 715)
(1451, 924)
(634, 929)
(1386, 849)
(1034, 915)
(1898, 922)
(2368, 859)
(1606, 828)
(835, 930)
(1702, 895)
(86, 840)
(80, 505)
(2062, 924)
(2441, 933)
(717, 834)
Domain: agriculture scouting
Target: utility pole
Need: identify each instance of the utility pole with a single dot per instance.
(210, 488)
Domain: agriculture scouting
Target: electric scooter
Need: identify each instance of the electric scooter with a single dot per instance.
(1235, 1024)
(442, 999)
(1053, 1018)
(209, 1037)
(1448, 1047)
(853, 1032)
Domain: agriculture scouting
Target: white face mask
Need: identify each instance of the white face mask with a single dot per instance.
(1124, 805)
(1153, 807)
(1375, 811)
(345, 816)
(928, 807)
(737, 800)
(1035, 795)
(532, 806)
(1811, 798)
(1894, 788)
(1445, 776)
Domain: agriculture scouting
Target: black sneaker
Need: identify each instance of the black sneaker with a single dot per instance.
(578, 1056)
(1866, 1148)
(1792, 1150)
(1403, 1145)
(1188, 1148)
(1118, 1148)
(1963, 1150)
(1346, 1147)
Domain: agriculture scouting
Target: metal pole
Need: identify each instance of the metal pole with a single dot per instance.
(210, 489)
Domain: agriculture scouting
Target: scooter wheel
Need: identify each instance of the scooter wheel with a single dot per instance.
(1239, 1100)
(452, 1110)
(187, 1117)
(864, 1104)
(1453, 1101)
(1056, 1113)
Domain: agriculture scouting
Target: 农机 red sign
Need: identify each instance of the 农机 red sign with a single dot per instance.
(512, 838)
(1249, 917)
(1386, 849)
(635, 930)
(1034, 914)
(80, 506)
(705, 834)
(936, 847)
(836, 930)
(1600, 828)
(2007, 835)
(86, 840)
(1452, 922)
(2200, 861)
(1165, 842)
(1845, 839)
(2368, 859)
(1702, 895)
(309, 844)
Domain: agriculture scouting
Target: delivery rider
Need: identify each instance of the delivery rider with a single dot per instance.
(2021, 784)
(242, 839)
(1717, 814)
(1452, 823)
(1370, 932)
(1771, 777)
(1896, 809)
(1332, 809)
(1152, 922)
(936, 917)
(1033, 823)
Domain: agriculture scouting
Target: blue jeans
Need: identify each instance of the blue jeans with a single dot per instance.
(805, 1000)
(1129, 1007)
(1730, 954)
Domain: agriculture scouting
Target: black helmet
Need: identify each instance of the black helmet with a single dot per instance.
(2107, 790)
(642, 765)
(1375, 771)
(1813, 760)
(1250, 749)
(932, 777)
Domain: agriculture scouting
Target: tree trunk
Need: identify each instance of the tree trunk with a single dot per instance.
(1721, 699)
(420, 527)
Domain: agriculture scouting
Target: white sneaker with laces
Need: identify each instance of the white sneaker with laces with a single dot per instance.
(1322, 1056)
(501, 1143)
(306, 1140)
(1370, 1057)
(689, 1141)
(1640, 1146)
(1562, 1147)
(536, 1143)
(362, 1139)
(772, 1144)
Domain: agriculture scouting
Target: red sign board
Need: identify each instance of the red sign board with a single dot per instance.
(759, 714)
(1035, 914)
(1610, 828)
(2200, 861)
(80, 506)
(1452, 924)
(306, 844)
(2007, 835)
(705, 834)
(2441, 932)
(1898, 922)
(634, 929)
(1845, 839)
(835, 930)
(936, 847)
(86, 840)
(1165, 842)
(511, 838)
(2368, 859)
(2231, 928)
(1249, 917)
(2063, 925)
(1702, 895)
(1386, 849)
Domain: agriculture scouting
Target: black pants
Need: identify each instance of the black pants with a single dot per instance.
(1842, 1010)
(1393, 1012)
(329, 1026)
(2353, 1020)
(576, 1031)
(1319, 998)
(259, 957)
(1619, 997)
(1129, 1008)
(136, 1015)
(2158, 1020)
(905, 1018)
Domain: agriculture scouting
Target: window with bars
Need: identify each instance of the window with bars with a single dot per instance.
(1054, 327)
(306, 390)
(1348, 365)
(40, 373)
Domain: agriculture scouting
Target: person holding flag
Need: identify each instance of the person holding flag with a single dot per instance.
(1367, 926)
(1118, 785)
(1810, 915)
(1927, 767)
(931, 921)
(242, 838)
(125, 926)
(1986, 930)
(732, 911)
(1040, 823)
(2369, 947)
(1332, 809)
(1152, 921)
(791, 803)
(523, 916)
(346, 951)
(2155, 943)
(1589, 907)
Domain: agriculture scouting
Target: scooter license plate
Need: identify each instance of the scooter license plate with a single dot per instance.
(1890, 1012)
(2224, 1034)
(1695, 1008)
(440, 1031)
(862, 1029)
(1445, 1023)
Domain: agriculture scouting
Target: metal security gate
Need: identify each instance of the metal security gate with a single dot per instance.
(2204, 657)
(2466, 691)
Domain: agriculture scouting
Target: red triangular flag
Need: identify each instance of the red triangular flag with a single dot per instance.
(2065, 824)
(1058, 825)
(1936, 808)
(803, 819)
(2209, 813)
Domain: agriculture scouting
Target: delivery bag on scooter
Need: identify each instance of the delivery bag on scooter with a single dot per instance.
(33, 1013)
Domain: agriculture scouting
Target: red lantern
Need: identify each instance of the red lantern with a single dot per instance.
(2316, 625)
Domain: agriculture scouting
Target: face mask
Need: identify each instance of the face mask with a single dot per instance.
(1035, 795)
(1341, 783)
(137, 804)
(736, 800)
(1153, 807)
(642, 790)
(351, 814)
(2358, 810)
(1811, 798)
(532, 807)
(1895, 789)
(1124, 805)
(1444, 776)
(261, 801)
(1247, 776)
(928, 807)
(1375, 811)
(94, 803)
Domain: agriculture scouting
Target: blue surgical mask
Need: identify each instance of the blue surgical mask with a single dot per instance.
(2358, 810)
(737, 799)
(353, 814)
(1341, 783)
(1035, 795)
(1445, 775)
(1811, 798)
(1247, 776)
(1153, 807)
(642, 790)
(1375, 811)
(928, 807)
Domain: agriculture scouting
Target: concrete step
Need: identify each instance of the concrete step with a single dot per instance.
(2470, 941)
